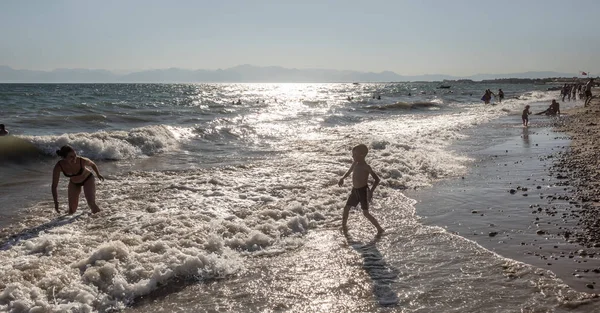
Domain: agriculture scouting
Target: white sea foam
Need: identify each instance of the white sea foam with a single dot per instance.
(199, 224)
(113, 145)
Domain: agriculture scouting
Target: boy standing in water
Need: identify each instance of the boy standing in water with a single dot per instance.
(525, 116)
(360, 188)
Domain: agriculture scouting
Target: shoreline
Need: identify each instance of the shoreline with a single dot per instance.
(529, 197)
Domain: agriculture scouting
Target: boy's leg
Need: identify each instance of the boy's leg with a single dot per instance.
(373, 221)
(345, 218)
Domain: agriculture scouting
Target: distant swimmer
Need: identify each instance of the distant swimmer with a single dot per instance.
(500, 95)
(360, 187)
(525, 116)
(239, 102)
(75, 167)
(487, 96)
(378, 97)
(3, 131)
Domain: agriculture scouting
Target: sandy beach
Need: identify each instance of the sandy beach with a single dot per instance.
(581, 166)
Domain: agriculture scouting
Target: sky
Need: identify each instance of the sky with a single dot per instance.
(458, 37)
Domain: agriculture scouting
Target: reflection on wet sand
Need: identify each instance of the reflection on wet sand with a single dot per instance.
(525, 136)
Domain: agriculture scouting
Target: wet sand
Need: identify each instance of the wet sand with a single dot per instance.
(534, 198)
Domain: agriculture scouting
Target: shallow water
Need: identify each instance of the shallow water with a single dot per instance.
(240, 204)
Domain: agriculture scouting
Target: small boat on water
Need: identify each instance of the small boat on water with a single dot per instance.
(444, 87)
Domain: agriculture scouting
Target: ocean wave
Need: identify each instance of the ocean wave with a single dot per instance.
(404, 105)
(15, 149)
(224, 130)
(193, 226)
(111, 145)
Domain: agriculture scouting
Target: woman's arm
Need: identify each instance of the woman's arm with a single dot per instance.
(55, 179)
(91, 164)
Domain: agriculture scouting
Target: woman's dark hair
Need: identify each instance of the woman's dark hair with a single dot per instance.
(64, 150)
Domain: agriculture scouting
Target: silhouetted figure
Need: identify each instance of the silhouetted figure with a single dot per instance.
(487, 96)
(588, 92)
(3, 131)
(553, 109)
(360, 193)
(525, 116)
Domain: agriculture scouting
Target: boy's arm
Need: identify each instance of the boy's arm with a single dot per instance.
(375, 184)
(341, 182)
(374, 177)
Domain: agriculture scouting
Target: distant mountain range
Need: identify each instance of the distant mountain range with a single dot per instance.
(241, 74)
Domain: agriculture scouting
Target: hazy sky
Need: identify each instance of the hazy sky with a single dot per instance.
(456, 37)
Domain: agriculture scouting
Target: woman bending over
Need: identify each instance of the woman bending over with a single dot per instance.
(75, 167)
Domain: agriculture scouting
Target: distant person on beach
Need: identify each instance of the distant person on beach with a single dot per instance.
(566, 92)
(75, 167)
(500, 95)
(588, 92)
(553, 109)
(360, 187)
(525, 116)
(3, 131)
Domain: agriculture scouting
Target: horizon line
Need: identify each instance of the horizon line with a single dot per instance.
(127, 72)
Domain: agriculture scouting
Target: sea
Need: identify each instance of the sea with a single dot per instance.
(225, 198)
